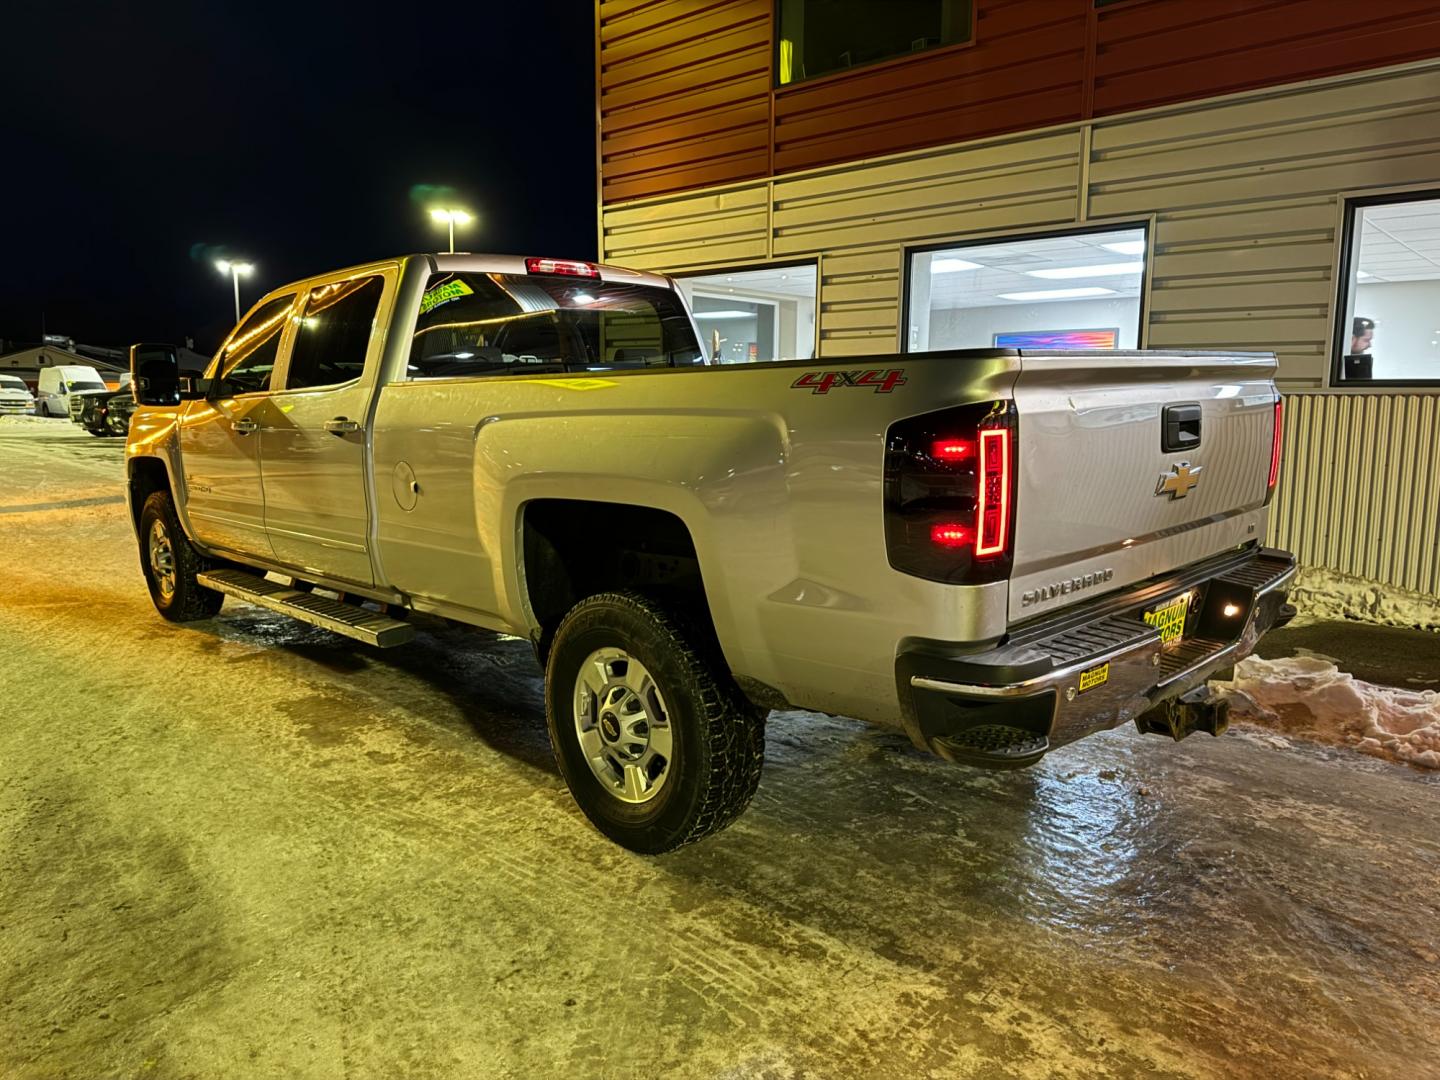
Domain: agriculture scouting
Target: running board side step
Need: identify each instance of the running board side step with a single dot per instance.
(353, 621)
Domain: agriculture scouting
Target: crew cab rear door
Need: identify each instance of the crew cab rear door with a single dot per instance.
(1132, 465)
(314, 448)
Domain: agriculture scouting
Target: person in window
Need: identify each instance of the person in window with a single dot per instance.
(1359, 364)
(1362, 332)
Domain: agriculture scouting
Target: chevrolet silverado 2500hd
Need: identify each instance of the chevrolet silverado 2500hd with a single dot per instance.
(995, 551)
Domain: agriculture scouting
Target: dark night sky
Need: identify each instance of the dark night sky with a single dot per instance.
(288, 134)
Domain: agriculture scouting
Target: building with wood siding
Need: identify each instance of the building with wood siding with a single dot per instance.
(1273, 162)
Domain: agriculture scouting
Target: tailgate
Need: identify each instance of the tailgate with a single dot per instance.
(1089, 517)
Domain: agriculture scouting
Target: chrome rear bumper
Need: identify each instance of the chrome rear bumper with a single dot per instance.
(1083, 672)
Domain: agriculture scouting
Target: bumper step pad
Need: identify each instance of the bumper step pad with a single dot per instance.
(353, 621)
(993, 746)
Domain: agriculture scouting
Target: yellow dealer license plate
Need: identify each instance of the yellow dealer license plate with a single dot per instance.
(1169, 619)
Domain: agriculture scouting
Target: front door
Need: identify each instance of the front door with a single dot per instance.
(316, 511)
(220, 436)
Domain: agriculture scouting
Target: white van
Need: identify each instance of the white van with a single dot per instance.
(57, 383)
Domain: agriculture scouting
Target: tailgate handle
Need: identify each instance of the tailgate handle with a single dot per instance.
(1180, 428)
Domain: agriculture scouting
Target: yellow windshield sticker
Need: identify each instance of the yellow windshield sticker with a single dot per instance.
(1096, 676)
(443, 294)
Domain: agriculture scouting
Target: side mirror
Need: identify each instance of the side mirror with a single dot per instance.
(155, 376)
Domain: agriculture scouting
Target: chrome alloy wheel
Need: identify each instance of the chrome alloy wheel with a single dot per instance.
(623, 725)
(162, 559)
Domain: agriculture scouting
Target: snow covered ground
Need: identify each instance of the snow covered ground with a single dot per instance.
(246, 847)
(1311, 697)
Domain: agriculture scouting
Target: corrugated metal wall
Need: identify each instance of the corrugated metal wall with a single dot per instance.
(1244, 196)
(1360, 485)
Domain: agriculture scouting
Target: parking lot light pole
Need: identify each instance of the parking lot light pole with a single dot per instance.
(236, 270)
(451, 217)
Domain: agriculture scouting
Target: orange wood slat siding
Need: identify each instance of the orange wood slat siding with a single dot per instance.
(1025, 69)
(1155, 52)
(684, 94)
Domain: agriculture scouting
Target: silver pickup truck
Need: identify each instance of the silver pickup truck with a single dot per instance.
(995, 551)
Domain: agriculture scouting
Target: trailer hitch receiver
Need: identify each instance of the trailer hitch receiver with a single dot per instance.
(1199, 710)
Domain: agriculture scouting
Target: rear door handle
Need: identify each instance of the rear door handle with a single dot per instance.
(342, 426)
(245, 427)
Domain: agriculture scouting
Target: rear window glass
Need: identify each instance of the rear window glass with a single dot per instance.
(475, 324)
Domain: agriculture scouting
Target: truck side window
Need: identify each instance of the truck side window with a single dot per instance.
(249, 356)
(473, 324)
(333, 337)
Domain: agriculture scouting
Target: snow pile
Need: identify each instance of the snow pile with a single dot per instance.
(1324, 594)
(1307, 696)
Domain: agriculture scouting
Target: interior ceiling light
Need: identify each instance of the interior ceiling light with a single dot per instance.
(1099, 270)
(725, 314)
(1058, 294)
(953, 266)
(1126, 247)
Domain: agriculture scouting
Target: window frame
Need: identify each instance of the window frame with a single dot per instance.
(1350, 204)
(297, 313)
(1082, 228)
(777, 87)
(213, 373)
(747, 268)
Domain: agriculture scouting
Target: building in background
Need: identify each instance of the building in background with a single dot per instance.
(842, 177)
(27, 363)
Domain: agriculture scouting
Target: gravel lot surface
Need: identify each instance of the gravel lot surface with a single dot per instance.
(249, 848)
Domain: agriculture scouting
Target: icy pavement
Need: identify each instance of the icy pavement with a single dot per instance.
(248, 848)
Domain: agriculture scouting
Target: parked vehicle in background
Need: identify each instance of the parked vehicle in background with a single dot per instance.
(58, 383)
(105, 414)
(79, 400)
(996, 551)
(15, 396)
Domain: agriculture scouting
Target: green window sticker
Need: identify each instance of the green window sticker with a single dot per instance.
(443, 294)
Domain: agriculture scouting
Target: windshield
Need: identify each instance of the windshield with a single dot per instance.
(74, 386)
(523, 324)
(10, 382)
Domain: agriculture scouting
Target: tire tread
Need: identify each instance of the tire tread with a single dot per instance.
(732, 727)
(192, 601)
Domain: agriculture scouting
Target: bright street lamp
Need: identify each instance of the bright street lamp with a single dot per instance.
(236, 270)
(452, 218)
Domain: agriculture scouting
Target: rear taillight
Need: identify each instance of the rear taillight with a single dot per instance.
(992, 519)
(1275, 437)
(950, 493)
(567, 267)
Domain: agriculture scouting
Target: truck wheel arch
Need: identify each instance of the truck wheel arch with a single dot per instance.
(574, 548)
(146, 475)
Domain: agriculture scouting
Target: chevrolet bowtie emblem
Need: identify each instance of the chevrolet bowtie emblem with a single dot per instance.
(1179, 480)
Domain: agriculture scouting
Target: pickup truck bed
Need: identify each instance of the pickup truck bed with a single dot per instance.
(996, 551)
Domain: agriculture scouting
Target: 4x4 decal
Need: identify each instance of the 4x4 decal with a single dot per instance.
(822, 382)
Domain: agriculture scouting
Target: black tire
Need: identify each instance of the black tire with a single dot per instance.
(188, 600)
(718, 736)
